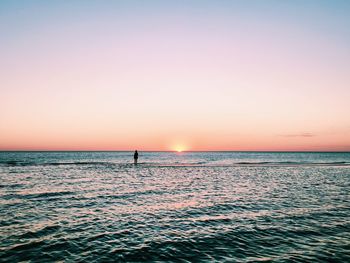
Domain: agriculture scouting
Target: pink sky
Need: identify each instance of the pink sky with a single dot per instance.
(170, 76)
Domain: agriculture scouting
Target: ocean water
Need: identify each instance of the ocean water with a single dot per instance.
(182, 207)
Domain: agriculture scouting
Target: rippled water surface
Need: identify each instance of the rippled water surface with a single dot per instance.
(221, 206)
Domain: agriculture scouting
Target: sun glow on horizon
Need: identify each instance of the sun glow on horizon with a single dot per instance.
(179, 148)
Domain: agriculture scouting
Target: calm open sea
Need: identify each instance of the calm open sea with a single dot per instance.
(193, 206)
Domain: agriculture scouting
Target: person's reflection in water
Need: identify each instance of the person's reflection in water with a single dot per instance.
(136, 156)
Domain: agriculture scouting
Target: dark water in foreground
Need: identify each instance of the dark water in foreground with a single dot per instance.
(235, 207)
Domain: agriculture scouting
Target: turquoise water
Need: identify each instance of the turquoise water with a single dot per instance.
(200, 206)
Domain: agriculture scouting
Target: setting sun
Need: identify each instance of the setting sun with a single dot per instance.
(179, 148)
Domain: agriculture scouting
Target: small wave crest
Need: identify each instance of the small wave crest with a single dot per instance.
(44, 195)
(175, 164)
(235, 164)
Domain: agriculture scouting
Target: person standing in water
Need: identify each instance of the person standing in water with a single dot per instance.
(136, 156)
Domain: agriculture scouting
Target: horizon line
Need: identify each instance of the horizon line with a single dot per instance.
(189, 151)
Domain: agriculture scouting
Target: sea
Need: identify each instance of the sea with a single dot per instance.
(174, 207)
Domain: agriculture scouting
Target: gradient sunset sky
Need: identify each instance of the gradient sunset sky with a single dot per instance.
(168, 75)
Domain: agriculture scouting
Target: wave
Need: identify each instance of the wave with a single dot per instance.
(43, 195)
(293, 163)
(22, 163)
(176, 164)
(237, 164)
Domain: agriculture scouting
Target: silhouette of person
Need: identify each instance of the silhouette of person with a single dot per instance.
(136, 156)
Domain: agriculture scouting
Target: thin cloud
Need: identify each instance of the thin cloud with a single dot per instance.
(304, 134)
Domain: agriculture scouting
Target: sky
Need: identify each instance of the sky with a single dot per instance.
(175, 75)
